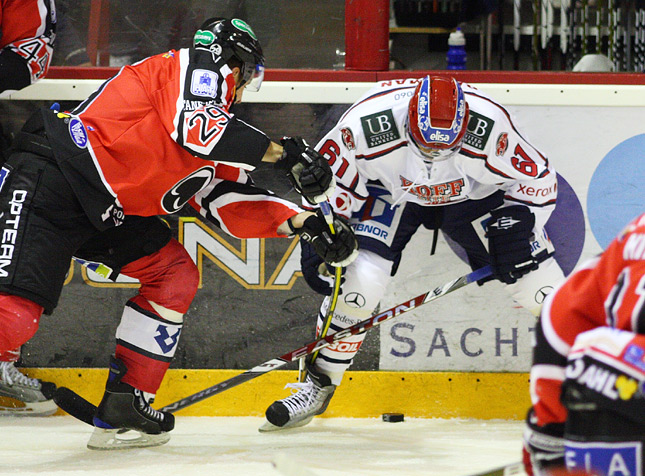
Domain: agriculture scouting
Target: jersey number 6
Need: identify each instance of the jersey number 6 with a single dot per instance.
(523, 163)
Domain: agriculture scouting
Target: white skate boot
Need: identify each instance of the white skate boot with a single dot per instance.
(310, 398)
(24, 396)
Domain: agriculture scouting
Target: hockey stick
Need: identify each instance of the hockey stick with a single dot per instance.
(329, 218)
(508, 470)
(83, 410)
(326, 209)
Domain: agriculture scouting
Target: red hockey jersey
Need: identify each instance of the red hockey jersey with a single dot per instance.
(28, 29)
(160, 132)
(608, 291)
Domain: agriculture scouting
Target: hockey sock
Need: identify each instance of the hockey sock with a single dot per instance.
(146, 343)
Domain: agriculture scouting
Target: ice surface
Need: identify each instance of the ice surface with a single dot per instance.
(233, 446)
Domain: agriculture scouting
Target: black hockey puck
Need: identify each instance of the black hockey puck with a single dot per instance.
(392, 417)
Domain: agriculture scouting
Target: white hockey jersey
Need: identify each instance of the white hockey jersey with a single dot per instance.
(370, 142)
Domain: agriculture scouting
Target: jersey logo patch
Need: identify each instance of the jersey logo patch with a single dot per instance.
(166, 341)
(380, 128)
(77, 132)
(348, 138)
(185, 189)
(203, 83)
(478, 131)
(502, 144)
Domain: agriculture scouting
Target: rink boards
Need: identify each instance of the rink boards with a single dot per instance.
(362, 394)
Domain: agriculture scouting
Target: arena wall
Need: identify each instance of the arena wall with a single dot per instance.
(464, 355)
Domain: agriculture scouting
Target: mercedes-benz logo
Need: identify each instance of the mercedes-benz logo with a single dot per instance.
(355, 300)
(542, 293)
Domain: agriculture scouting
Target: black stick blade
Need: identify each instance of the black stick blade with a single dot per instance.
(75, 405)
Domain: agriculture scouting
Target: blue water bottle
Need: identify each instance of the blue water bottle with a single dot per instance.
(456, 57)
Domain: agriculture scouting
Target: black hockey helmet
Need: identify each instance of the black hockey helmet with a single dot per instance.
(226, 38)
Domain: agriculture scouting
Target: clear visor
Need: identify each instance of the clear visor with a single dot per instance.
(431, 154)
(254, 83)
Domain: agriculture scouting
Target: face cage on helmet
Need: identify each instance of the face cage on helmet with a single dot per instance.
(253, 77)
(430, 154)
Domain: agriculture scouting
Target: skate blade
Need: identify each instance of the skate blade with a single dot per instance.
(122, 439)
(13, 407)
(269, 427)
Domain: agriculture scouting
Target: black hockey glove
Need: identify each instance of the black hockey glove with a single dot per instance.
(318, 275)
(338, 249)
(509, 233)
(543, 447)
(307, 170)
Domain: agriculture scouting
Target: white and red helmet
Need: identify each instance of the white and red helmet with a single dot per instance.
(437, 117)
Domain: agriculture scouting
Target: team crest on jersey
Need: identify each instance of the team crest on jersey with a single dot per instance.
(348, 138)
(203, 83)
(478, 131)
(379, 128)
(78, 133)
(502, 144)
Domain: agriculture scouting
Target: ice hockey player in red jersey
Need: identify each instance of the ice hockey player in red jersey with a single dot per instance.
(27, 32)
(91, 183)
(440, 154)
(588, 374)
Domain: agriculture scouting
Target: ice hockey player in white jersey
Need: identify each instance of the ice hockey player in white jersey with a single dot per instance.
(429, 152)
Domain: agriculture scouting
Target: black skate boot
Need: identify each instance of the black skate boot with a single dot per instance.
(125, 419)
(310, 398)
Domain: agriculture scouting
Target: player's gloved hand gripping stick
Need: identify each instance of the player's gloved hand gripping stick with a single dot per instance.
(80, 408)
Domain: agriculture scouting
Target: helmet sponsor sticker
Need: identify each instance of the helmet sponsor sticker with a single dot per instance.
(242, 25)
(203, 83)
(478, 130)
(380, 128)
(203, 38)
(78, 133)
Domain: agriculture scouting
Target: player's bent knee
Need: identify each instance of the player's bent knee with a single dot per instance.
(366, 281)
(19, 319)
(169, 278)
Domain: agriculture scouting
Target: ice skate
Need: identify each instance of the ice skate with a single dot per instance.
(124, 418)
(24, 396)
(309, 399)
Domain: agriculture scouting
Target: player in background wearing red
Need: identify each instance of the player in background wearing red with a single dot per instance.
(588, 373)
(27, 32)
(439, 154)
(91, 183)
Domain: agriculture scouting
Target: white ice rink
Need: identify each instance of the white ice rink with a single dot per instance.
(233, 446)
